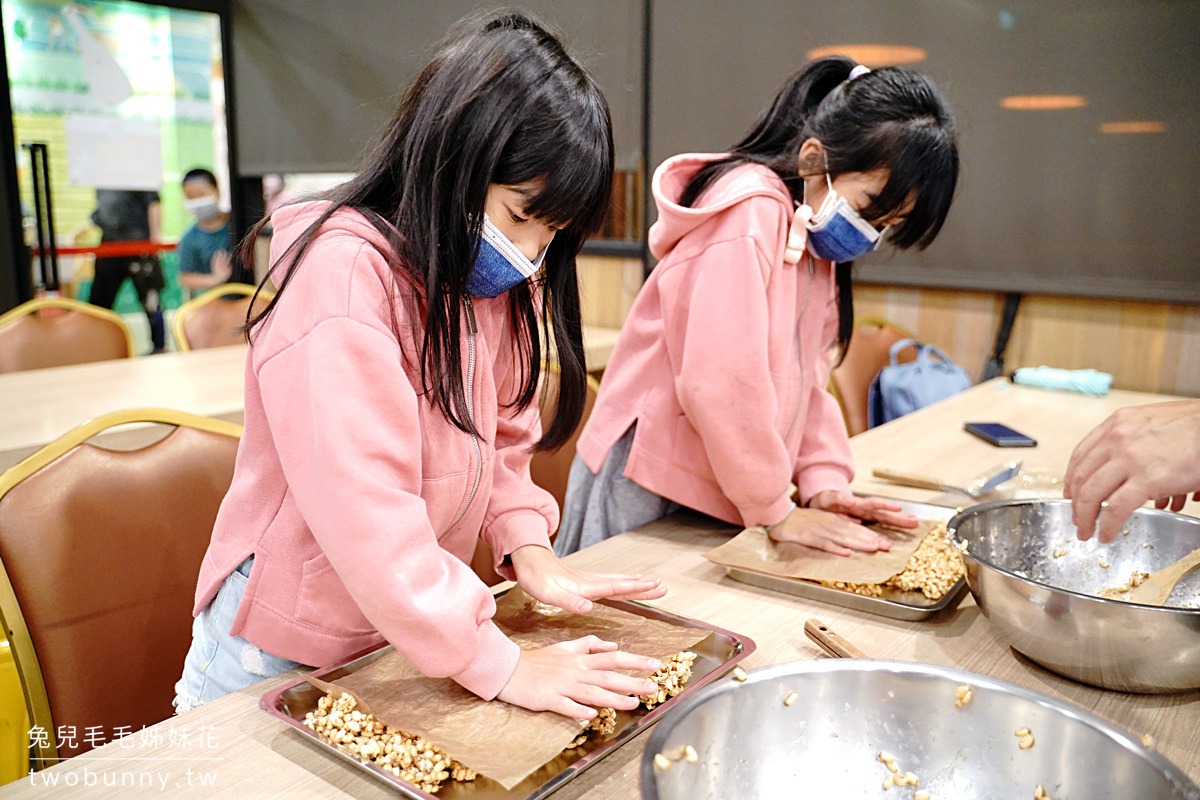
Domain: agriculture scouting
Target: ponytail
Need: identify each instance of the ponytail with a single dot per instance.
(891, 118)
(775, 139)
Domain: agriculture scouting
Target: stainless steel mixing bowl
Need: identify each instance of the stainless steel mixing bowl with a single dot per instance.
(1045, 606)
(750, 744)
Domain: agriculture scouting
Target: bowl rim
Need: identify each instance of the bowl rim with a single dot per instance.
(954, 675)
(952, 532)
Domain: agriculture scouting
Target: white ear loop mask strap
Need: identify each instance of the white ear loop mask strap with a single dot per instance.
(830, 207)
(511, 253)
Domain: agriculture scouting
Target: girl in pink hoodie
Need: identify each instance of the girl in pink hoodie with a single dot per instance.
(391, 391)
(715, 396)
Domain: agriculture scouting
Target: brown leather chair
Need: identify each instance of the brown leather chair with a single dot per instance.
(213, 318)
(549, 470)
(56, 331)
(99, 553)
(867, 353)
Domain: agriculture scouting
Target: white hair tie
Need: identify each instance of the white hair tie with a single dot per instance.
(858, 71)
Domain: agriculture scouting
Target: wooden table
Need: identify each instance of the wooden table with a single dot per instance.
(932, 440)
(38, 406)
(254, 756)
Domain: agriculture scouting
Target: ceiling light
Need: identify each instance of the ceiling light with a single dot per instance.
(1043, 102)
(872, 55)
(1133, 126)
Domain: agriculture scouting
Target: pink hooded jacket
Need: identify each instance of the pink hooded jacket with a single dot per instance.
(360, 503)
(724, 359)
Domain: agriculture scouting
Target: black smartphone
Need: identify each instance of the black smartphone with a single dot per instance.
(999, 435)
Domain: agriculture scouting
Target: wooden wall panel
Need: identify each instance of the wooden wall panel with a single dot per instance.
(1181, 360)
(1151, 347)
(961, 323)
(607, 287)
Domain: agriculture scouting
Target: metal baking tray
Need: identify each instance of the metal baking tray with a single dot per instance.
(715, 656)
(912, 606)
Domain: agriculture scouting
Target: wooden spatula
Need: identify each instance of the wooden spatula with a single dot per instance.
(1155, 590)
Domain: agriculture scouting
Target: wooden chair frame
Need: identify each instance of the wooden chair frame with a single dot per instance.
(37, 700)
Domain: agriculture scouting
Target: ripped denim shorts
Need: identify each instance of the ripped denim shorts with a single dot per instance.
(217, 662)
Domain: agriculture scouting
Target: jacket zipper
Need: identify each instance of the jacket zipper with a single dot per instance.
(799, 362)
(472, 329)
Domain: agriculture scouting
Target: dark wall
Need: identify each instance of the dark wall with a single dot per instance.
(16, 285)
(316, 81)
(1047, 203)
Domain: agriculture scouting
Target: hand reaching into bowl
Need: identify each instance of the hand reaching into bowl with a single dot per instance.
(1138, 454)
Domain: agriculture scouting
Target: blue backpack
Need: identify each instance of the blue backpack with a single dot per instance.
(901, 388)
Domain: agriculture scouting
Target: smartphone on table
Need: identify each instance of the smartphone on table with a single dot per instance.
(999, 435)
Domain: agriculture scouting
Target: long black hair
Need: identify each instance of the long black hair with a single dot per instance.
(500, 103)
(892, 118)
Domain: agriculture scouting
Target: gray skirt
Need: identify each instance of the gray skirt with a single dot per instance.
(598, 506)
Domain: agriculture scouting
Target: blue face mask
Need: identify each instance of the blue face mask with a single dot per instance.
(499, 265)
(839, 233)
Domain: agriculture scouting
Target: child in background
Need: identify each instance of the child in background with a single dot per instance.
(391, 395)
(203, 250)
(715, 396)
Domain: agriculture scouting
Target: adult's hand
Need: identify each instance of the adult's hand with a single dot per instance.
(1142, 453)
(548, 579)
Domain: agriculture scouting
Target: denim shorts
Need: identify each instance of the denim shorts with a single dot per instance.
(218, 663)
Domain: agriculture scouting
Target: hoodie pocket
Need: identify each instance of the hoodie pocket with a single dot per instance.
(325, 603)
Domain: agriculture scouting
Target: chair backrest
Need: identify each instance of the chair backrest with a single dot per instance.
(866, 354)
(213, 318)
(549, 470)
(56, 331)
(99, 553)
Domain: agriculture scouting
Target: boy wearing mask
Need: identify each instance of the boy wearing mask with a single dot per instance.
(204, 260)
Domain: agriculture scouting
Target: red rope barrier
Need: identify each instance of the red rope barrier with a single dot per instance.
(114, 249)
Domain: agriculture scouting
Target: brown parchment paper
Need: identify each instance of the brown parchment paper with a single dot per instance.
(753, 550)
(502, 741)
